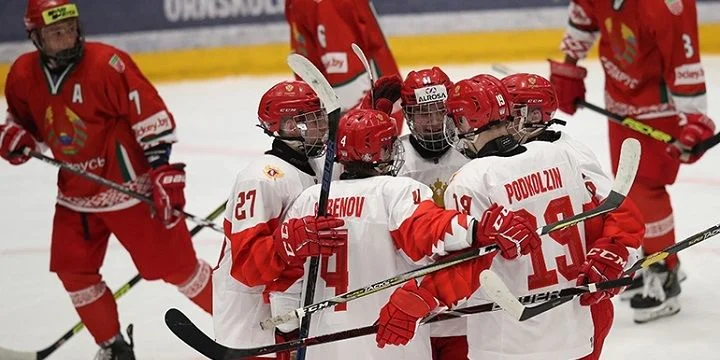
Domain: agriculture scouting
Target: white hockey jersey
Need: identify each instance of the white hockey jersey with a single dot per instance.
(393, 225)
(589, 164)
(262, 193)
(546, 183)
(435, 173)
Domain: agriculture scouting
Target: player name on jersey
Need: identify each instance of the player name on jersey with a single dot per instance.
(351, 206)
(534, 184)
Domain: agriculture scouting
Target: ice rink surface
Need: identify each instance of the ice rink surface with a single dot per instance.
(216, 126)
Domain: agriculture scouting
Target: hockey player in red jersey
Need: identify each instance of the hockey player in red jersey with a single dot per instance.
(431, 160)
(90, 104)
(651, 57)
(324, 30)
(497, 174)
(253, 259)
(392, 224)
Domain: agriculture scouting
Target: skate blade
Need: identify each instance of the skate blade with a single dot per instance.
(668, 308)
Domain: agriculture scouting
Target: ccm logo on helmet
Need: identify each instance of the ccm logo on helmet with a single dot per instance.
(431, 93)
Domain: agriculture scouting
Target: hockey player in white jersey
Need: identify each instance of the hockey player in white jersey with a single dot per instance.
(431, 160)
(544, 183)
(535, 104)
(393, 224)
(253, 261)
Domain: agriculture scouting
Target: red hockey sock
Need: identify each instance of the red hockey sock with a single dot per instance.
(97, 309)
(654, 203)
(197, 287)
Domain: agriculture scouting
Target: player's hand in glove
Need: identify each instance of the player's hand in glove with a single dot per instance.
(386, 91)
(509, 230)
(399, 317)
(13, 139)
(297, 239)
(604, 262)
(695, 129)
(568, 81)
(168, 185)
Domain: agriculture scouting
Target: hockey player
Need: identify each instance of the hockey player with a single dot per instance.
(431, 160)
(90, 104)
(651, 57)
(324, 30)
(392, 223)
(541, 181)
(253, 259)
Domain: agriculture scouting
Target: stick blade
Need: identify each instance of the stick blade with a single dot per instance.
(7, 354)
(363, 59)
(317, 81)
(628, 166)
(500, 294)
(186, 331)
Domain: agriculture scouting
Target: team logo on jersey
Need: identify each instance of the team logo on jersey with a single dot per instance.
(623, 42)
(675, 6)
(289, 87)
(272, 172)
(117, 63)
(438, 189)
(68, 133)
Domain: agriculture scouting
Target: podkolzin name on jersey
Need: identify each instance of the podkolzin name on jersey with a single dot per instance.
(534, 184)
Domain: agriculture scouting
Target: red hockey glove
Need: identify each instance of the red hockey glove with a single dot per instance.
(386, 92)
(297, 239)
(13, 139)
(568, 80)
(168, 183)
(695, 129)
(509, 230)
(605, 261)
(399, 317)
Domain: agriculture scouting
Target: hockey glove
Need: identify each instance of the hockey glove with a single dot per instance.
(13, 139)
(399, 317)
(605, 261)
(297, 239)
(695, 129)
(568, 80)
(168, 184)
(509, 230)
(386, 92)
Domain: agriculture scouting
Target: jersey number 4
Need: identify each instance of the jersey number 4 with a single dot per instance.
(337, 279)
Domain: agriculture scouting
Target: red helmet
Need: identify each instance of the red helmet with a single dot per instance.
(286, 100)
(480, 101)
(41, 13)
(533, 92)
(294, 107)
(370, 137)
(423, 96)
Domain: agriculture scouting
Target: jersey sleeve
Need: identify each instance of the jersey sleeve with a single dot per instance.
(582, 30)
(252, 215)
(136, 99)
(421, 230)
(18, 109)
(675, 27)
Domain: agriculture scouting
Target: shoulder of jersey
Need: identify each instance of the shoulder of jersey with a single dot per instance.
(267, 168)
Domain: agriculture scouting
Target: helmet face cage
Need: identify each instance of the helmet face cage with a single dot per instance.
(427, 124)
(309, 130)
(393, 159)
(527, 122)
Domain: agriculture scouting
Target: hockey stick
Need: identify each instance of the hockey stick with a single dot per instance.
(313, 77)
(363, 59)
(7, 354)
(115, 186)
(635, 125)
(629, 161)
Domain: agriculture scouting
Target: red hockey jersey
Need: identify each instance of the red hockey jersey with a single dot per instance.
(324, 30)
(649, 51)
(99, 114)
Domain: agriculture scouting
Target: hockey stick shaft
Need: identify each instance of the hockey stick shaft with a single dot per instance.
(366, 64)
(635, 125)
(115, 186)
(314, 78)
(44, 353)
